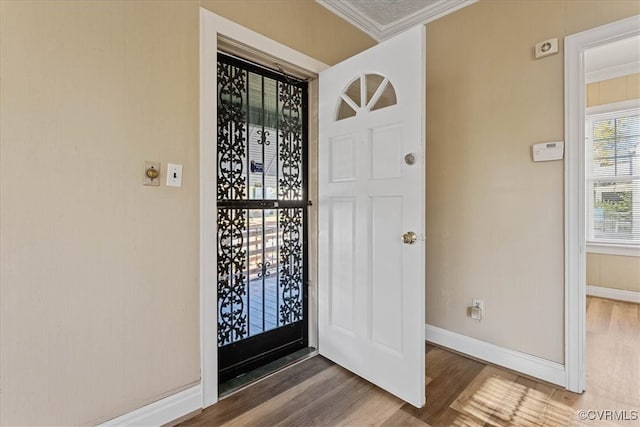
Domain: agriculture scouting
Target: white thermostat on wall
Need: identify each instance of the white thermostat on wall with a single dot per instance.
(546, 151)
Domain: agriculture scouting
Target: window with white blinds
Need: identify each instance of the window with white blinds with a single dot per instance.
(613, 177)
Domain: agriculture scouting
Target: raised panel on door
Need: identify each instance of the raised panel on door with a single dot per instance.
(386, 272)
(342, 211)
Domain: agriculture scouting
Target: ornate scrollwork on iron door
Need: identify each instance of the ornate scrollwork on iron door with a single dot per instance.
(232, 280)
(291, 265)
(291, 137)
(232, 131)
(261, 191)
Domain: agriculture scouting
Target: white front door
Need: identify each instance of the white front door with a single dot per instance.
(371, 193)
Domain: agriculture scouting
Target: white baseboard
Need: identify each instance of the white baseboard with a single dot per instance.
(163, 411)
(533, 366)
(611, 293)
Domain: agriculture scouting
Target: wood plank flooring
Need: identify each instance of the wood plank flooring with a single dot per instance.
(460, 391)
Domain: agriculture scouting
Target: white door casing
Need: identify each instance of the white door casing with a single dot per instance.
(575, 292)
(212, 28)
(371, 284)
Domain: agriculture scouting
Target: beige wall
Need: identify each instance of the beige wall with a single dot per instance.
(613, 90)
(494, 217)
(301, 24)
(614, 271)
(99, 273)
(99, 291)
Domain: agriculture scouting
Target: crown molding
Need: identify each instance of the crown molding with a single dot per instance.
(613, 72)
(345, 10)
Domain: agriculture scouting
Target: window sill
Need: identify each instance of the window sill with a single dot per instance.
(613, 249)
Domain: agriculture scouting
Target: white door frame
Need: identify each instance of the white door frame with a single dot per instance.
(574, 186)
(212, 27)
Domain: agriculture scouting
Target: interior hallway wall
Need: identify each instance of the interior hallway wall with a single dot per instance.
(494, 217)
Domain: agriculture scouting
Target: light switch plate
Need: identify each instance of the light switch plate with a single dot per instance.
(174, 175)
(148, 164)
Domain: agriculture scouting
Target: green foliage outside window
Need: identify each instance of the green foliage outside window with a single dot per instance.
(622, 205)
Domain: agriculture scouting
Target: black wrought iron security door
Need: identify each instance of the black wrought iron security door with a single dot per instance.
(262, 215)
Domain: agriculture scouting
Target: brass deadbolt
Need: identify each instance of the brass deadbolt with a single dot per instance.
(153, 173)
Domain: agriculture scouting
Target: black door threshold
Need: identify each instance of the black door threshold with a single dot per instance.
(241, 381)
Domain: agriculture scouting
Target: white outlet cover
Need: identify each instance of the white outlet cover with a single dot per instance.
(477, 308)
(174, 175)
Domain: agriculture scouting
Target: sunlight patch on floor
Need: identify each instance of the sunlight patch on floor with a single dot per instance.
(498, 400)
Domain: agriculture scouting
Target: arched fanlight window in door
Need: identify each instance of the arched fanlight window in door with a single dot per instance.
(368, 92)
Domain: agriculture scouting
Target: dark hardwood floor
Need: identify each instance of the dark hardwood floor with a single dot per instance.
(460, 391)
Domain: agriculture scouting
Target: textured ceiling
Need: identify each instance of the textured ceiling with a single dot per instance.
(385, 12)
(382, 19)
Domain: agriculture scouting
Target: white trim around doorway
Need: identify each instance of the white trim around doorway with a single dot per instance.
(574, 199)
(212, 28)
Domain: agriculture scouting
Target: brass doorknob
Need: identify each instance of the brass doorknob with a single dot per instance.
(409, 238)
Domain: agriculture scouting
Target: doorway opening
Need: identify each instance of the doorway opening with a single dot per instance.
(598, 189)
(612, 185)
(262, 203)
(612, 168)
